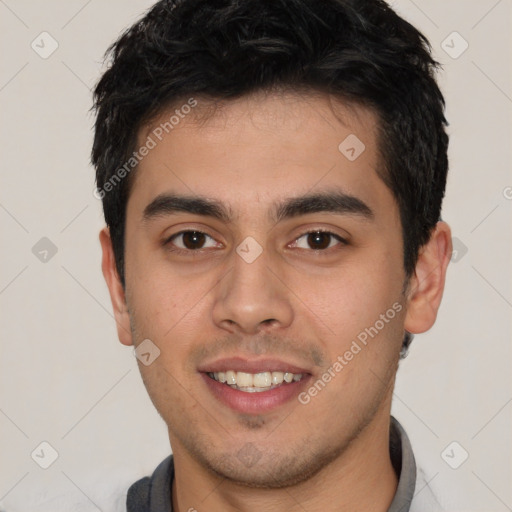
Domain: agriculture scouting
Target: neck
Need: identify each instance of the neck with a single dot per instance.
(362, 478)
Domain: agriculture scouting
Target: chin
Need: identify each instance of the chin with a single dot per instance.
(249, 468)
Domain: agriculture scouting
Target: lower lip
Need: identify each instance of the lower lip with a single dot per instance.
(257, 402)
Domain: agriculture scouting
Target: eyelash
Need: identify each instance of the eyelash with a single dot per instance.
(168, 241)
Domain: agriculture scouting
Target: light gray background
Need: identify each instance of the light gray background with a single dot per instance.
(64, 377)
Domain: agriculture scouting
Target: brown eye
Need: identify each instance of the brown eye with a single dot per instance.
(192, 240)
(318, 240)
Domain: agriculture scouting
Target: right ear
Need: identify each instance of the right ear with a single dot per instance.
(115, 288)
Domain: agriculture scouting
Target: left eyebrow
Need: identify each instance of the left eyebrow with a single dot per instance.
(329, 202)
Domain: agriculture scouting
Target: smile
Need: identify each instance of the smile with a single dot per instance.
(254, 382)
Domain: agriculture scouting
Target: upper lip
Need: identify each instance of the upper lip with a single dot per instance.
(241, 364)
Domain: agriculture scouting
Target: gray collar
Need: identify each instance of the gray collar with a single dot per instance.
(403, 461)
(153, 494)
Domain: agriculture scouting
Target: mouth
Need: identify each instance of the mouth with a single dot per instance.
(254, 382)
(254, 387)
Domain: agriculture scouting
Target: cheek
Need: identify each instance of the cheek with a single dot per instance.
(173, 311)
(350, 298)
(364, 317)
(159, 296)
(165, 387)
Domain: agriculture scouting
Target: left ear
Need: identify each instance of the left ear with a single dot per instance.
(427, 284)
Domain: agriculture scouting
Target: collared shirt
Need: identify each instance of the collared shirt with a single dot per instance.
(413, 494)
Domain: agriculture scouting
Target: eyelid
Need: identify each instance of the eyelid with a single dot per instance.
(168, 240)
(187, 228)
(206, 235)
(339, 238)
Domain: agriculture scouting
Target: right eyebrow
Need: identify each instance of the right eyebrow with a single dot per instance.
(167, 204)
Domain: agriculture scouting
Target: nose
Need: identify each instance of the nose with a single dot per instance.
(252, 297)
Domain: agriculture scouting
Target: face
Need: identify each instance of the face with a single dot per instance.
(258, 252)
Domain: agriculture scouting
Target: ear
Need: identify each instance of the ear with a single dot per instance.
(427, 284)
(117, 294)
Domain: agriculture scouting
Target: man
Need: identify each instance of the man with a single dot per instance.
(272, 176)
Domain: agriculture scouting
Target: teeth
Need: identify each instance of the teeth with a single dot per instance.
(277, 377)
(262, 380)
(254, 382)
(244, 380)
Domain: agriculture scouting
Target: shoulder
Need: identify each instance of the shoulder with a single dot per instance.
(152, 492)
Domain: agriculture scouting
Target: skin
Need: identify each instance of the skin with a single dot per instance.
(299, 304)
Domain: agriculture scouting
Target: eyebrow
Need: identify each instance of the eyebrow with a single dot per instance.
(328, 202)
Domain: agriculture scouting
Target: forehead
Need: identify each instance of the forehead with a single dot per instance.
(259, 148)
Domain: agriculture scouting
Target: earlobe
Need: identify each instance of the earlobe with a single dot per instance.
(427, 284)
(115, 288)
